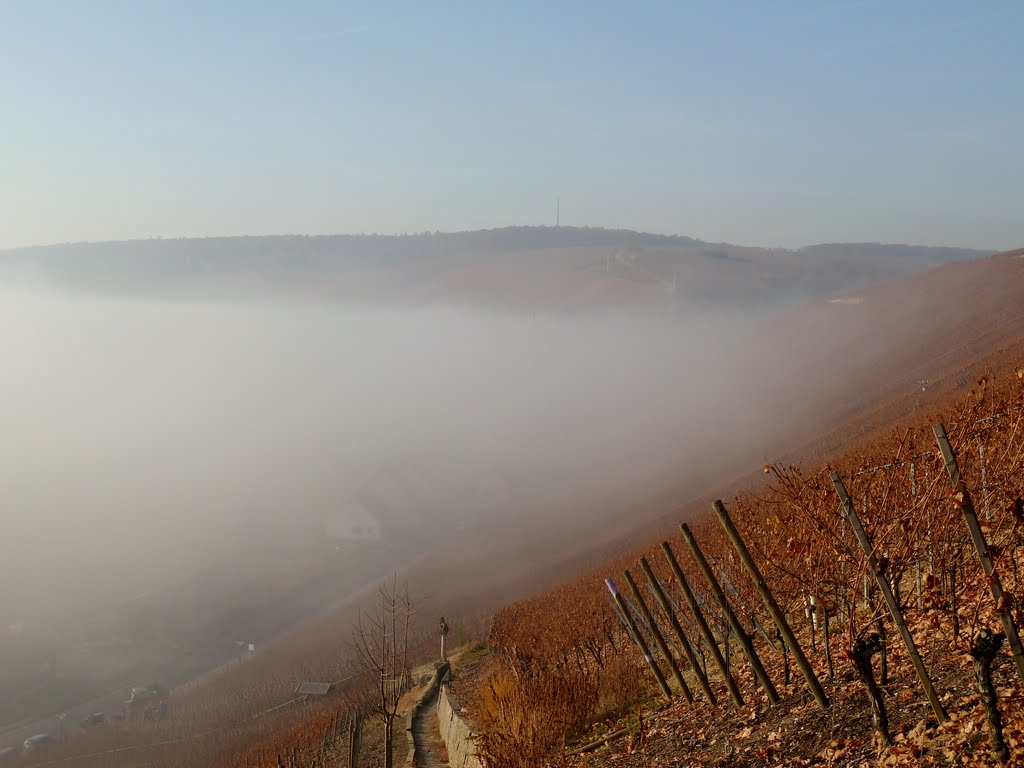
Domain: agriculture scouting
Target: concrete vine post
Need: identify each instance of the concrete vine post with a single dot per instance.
(890, 598)
(702, 625)
(734, 623)
(773, 607)
(1002, 600)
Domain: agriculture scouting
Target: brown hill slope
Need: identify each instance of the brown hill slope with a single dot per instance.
(835, 373)
(946, 327)
(889, 350)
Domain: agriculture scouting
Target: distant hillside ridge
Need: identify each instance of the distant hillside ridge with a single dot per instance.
(553, 268)
(1017, 252)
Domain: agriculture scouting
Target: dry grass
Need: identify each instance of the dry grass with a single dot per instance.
(528, 710)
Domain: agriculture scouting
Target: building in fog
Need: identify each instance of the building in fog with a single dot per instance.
(353, 522)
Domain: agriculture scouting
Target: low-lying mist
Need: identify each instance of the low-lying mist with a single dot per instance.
(148, 444)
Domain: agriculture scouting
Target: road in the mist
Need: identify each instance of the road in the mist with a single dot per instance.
(263, 628)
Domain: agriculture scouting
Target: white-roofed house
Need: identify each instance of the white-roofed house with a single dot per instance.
(353, 522)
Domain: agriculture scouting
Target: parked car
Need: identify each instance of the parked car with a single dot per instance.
(8, 755)
(96, 718)
(144, 698)
(147, 693)
(39, 741)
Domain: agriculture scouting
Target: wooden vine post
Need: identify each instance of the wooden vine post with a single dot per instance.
(639, 638)
(981, 547)
(623, 625)
(659, 639)
(773, 607)
(730, 615)
(702, 625)
(890, 598)
(355, 737)
(666, 606)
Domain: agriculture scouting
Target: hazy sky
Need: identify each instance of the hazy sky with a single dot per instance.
(757, 122)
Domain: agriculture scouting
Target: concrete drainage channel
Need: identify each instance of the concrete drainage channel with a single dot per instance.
(457, 736)
(415, 727)
(454, 731)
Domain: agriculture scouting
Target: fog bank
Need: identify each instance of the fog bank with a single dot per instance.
(148, 443)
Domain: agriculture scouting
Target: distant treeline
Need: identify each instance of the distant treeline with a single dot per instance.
(395, 266)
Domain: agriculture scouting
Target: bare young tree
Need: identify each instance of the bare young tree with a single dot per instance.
(381, 642)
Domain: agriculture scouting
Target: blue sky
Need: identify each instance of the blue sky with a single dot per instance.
(772, 123)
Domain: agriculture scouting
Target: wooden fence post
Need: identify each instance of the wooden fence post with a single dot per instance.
(730, 615)
(666, 606)
(659, 639)
(355, 737)
(727, 584)
(639, 638)
(702, 625)
(890, 598)
(981, 547)
(984, 480)
(773, 607)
